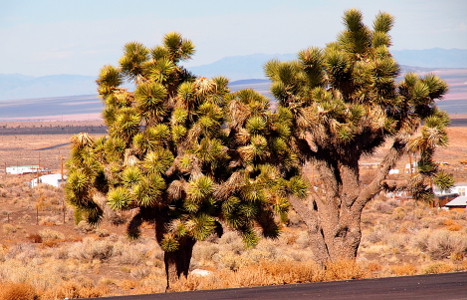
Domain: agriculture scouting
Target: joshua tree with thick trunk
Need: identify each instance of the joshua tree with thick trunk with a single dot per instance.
(182, 153)
(346, 104)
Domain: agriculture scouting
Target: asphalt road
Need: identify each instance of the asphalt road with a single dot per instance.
(448, 286)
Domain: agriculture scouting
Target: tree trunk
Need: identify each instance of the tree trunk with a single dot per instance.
(333, 235)
(334, 210)
(315, 232)
(177, 263)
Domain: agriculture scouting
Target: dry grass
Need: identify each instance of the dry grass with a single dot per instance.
(17, 291)
(44, 254)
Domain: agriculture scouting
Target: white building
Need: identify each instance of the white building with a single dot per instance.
(459, 188)
(50, 179)
(21, 170)
(457, 203)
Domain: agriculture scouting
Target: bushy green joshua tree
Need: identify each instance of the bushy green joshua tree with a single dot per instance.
(183, 153)
(346, 104)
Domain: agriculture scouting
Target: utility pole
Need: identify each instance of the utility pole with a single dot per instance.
(62, 179)
(38, 169)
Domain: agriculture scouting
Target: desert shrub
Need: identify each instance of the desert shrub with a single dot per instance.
(17, 291)
(437, 268)
(204, 251)
(420, 240)
(101, 232)
(373, 237)
(408, 226)
(49, 220)
(398, 213)
(396, 240)
(85, 227)
(383, 207)
(61, 253)
(418, 213)
(254, 256)
(90, 249)
(374, 267)
(288, 238)
(9, 229)
(128, 284)
(140, 273)
(77, 288)
(22, 250)
(48, 235)
(395, 203)
(294, 218)
(129, 258)
(426, 222)
(448, 222)
(34, 238)
(458, 215)
(443, 243)
(271, 247)
(127, 252)
(344, 269)
(405, 269)
(271, 273)
(454, 227)
(231, 240)
(229, 260)
(294, 255)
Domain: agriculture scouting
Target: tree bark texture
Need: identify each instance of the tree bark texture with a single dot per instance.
(332, 212)
(177, 263)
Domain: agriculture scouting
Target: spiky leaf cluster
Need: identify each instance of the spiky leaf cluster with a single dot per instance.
(181, 154)
(345, 102)
(259, 187)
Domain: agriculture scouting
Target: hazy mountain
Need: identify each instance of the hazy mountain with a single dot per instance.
(432, 58)
(90, 106)
(17, 86)
(239, 67)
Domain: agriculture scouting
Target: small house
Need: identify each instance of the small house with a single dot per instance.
(29, 169)
(459, 188)
(441, 200)
(459, 203)
(50, 179)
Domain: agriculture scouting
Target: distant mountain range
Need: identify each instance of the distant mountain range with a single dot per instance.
(251, 66)
(17, 86)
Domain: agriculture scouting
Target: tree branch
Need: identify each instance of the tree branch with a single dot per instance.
(394, 153)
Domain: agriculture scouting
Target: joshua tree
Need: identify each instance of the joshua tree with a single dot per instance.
(171, 157)
(346, 104)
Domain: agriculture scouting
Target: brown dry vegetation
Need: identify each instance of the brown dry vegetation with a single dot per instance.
(44, 255)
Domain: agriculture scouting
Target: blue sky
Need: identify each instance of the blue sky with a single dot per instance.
(49, 37)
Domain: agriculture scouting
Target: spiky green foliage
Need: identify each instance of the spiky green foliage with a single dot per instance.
(259, 187)
(175, 156)
(343, 103)
(444, 181)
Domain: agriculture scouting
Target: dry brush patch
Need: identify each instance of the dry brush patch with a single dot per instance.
(57, 259)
